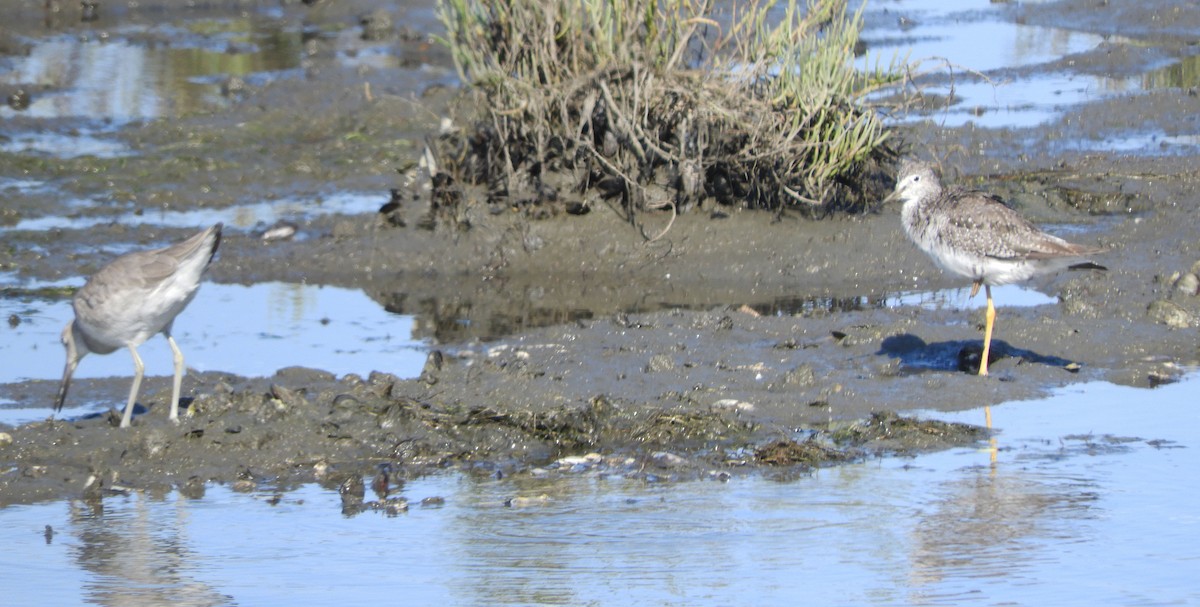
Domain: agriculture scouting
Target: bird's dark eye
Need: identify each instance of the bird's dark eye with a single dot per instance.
(916, 177)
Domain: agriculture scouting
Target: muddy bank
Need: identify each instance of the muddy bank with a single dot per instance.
(567, 335)
(703, 391)
(247, 432)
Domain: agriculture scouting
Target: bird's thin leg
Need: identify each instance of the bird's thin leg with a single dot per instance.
(178, 356)
(975, 288)
(989, 319)
(138, 369)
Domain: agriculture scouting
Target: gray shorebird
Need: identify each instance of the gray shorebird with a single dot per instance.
(974, 234)
(132, 299)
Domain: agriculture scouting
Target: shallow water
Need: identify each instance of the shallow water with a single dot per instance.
(1084, 505)
(1069, 513)
(960, 299)
(258, 329)
(256, 215)
(249, 330)
(974, 46)
(117, 80)
(94, 84)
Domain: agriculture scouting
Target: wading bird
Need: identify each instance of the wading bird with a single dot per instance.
(132, 299)
(973, 234)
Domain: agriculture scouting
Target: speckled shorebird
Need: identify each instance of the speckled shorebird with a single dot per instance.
(132, 299)
(974, 234)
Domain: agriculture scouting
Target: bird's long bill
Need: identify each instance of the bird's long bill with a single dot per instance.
(68, 371)
(894, 196)
(73, 356)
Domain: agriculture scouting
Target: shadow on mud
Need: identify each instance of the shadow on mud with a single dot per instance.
(959, 355)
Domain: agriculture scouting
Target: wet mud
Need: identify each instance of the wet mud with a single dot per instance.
(570, 344)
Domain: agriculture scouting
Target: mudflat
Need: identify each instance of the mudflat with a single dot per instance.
(567, 335)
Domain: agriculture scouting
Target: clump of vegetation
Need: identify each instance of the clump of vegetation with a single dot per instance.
(886, 431)
(810, 453)
(663, 104)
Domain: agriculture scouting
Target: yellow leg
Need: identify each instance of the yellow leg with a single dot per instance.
(989, 319)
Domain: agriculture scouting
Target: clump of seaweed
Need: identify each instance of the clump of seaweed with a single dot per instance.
(810, 453)
(886, 431)
(663, 104)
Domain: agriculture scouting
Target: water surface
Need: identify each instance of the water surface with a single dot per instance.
(1087, 503)
(252, 215)
(988, 64)
(251, 331)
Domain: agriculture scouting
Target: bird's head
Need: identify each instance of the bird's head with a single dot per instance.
(914, 181)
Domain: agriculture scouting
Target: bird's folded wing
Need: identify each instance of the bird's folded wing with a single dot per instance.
(983, 224)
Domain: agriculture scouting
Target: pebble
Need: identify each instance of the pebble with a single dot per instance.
(659, 363)
(733, 404)
(243, 486)
(1188, 284)
(154, 443)
(591, 459)
(321, 468)
(1170, 314)
(392, 506)
(193, 488)
(433, 365)
(377, 25)
(289, 397)
(6, 439)
(802, 375)
(353, 486)
(525, 502)
(282, 230)
(233, 86)
(664, 459)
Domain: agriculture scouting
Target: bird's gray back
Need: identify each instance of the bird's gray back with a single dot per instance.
(139, 294)
(976, 223)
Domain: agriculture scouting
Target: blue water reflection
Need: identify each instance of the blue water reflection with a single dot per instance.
(120, 80)
(975, 45)
(248, 330)
(247, 216)
(1087, 503)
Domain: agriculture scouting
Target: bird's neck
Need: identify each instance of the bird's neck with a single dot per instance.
(917, 210)
(82, 345)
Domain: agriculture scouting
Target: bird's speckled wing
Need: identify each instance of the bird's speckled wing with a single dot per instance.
(982, 224)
